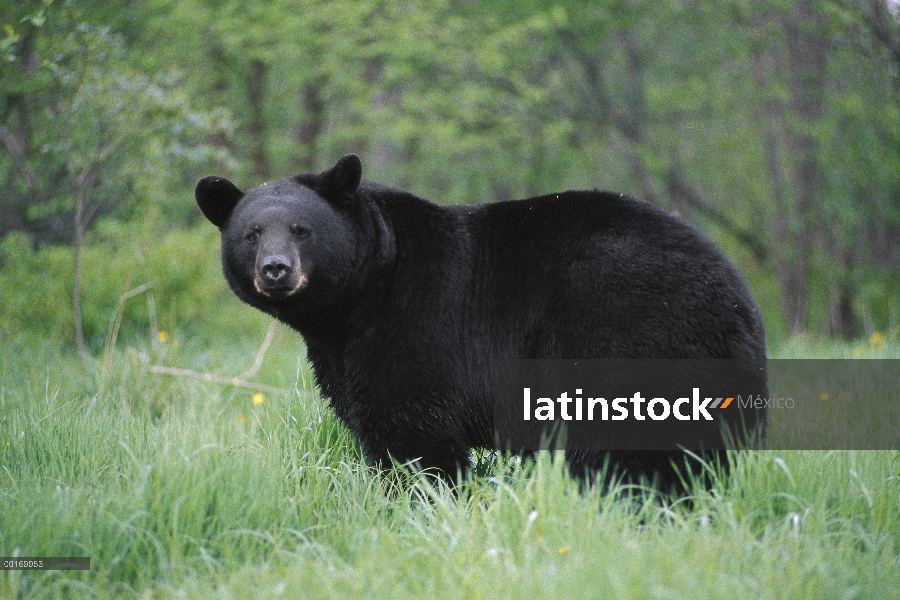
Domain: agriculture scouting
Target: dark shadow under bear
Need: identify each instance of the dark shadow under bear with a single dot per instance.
(405, 305)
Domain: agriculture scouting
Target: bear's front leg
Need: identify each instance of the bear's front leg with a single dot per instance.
(434, 453)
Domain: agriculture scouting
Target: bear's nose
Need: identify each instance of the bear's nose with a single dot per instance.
(275, 267)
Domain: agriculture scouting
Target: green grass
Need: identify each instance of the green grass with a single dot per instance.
(179, 488)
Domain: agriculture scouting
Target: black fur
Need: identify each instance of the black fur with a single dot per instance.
(407, 303)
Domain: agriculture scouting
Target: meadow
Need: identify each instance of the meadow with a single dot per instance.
(182, 488)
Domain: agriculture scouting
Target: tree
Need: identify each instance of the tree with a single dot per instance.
(774, 126)
(119, 133)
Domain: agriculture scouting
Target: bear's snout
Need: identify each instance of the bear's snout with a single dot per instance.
(275, 268)
(278, 277)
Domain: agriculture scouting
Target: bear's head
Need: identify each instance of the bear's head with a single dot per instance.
(291, 243)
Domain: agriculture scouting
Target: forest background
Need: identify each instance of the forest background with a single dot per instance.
(773, 126)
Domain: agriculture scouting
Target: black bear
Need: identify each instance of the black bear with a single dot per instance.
(405, 305)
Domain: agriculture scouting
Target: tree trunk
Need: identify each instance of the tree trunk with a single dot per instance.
(14, 206)
(796, 182)
(309, 130)
(791, 252)
(76, 276)
(807, 62)
(256, 128)
(383, 152)
(221, 67)
(83, 185)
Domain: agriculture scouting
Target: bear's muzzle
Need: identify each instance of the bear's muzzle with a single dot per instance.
(277, 278)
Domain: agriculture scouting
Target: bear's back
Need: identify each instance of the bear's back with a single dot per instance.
(601, 275)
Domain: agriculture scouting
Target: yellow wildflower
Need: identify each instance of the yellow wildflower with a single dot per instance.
(258, 398)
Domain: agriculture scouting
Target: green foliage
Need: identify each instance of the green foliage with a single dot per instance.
(133, 128)
(190, 296)
(16, 23)
(694, 107)
(121, 138)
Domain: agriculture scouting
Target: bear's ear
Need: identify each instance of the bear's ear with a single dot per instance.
(217, 197)
(343, 178)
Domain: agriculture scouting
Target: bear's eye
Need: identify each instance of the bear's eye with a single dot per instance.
(252, 237)
(299, 231)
